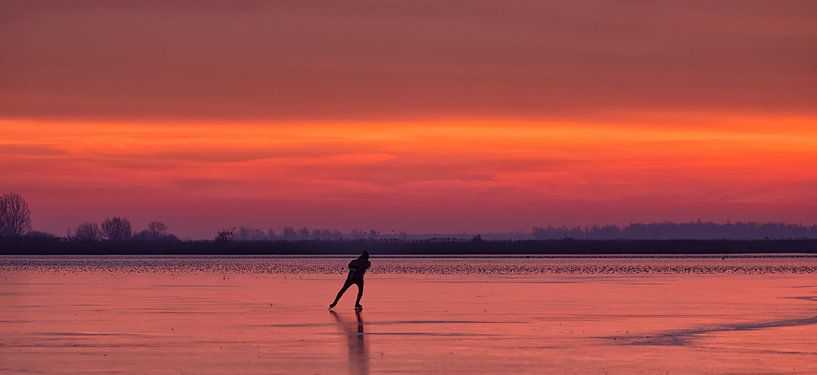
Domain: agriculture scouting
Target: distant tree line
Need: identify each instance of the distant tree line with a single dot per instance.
(245, 233)
(119, 229)
(115, 235)
(15, 222)
(702, 230)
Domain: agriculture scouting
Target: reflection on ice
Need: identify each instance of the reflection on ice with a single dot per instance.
(356, 343)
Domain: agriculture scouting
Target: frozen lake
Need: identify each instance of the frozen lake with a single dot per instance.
(215, 315)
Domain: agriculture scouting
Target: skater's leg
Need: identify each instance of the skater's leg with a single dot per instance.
(346, 285)
(359, 292)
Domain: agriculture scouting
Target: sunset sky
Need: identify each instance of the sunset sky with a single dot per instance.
(421, 116)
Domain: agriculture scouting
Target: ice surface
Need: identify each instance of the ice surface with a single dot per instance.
(214, 315)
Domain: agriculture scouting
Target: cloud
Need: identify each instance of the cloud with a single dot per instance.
(29, 150)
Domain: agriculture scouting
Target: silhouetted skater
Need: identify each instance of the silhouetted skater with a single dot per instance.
(357, 268)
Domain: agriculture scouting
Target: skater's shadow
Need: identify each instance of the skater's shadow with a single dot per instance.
(356, 342)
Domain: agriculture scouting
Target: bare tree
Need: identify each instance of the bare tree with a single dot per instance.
(88, 232)
(243, 233)
(258, 235)
(157, 229)
(304, 234)
(117, 229)
(226, 235)
(289, 234)
(15, 216)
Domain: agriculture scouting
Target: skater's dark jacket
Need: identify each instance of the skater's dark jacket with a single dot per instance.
(358, 267)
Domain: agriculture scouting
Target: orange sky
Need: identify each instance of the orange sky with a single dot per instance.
(404, 175)
(419, 116)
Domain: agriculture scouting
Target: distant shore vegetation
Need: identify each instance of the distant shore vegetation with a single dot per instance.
(117, 235)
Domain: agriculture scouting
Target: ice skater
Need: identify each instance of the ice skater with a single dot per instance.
(357, 268)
